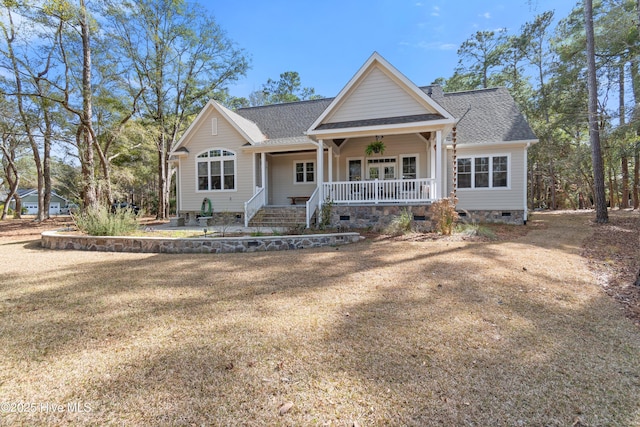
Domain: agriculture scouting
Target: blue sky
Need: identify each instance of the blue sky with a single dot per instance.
(327, 41)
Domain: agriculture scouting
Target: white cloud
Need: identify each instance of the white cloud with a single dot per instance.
(431, 45)
(419, 4)
(435, 11)
(485, 15)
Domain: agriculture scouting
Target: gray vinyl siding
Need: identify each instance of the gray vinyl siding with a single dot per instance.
(375, 97)
(511, 198)
(201, 140)
(396, 145)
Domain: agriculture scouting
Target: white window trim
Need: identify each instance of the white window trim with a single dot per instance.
(221, 159)
(304, 162)
(473, 172)
(366, 165)
(362, 167)
(404, 156)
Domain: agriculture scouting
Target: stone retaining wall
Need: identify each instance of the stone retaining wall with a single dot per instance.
(59, 240)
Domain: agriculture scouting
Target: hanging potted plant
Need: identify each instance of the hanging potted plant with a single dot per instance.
(376, 147)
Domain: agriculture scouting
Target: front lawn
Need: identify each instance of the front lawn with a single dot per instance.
(391, 331)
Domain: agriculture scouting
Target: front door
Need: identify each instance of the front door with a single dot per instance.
(381, 168)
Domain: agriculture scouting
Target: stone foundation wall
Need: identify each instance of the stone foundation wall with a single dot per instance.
(217, 218)
(497, 216)
(380, 216)
(59, 240)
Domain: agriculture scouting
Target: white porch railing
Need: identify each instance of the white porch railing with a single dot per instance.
(381, 191)
(312, 204)
(253, 205)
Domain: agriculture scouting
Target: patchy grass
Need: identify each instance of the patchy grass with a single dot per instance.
(386, 332)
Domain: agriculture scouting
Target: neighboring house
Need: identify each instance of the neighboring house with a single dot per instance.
(57, 205)
(312, 153)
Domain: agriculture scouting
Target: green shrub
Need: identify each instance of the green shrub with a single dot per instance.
(400, 224)
(102, 222)
(445, 215)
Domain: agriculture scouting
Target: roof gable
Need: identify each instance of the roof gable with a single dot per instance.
(245, 127)
(378, 91)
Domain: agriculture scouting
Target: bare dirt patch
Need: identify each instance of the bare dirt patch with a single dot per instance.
(512, 331)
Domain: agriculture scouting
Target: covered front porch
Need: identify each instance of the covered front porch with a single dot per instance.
(338, 171)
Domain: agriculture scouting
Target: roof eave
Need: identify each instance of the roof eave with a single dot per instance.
(275, 148)
(401, 128)
(513, 143)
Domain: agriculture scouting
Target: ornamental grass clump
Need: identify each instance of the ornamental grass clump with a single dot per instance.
(103, 222)
(400, 224)
(445, 216)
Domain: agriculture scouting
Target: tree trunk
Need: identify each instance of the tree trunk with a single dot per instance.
(9, 34)
(612, 193)
(624, 161)
(554, 203)
(636, 177)
(12, 177)
(602, 215)
(18, 212)
(161, 180)
(87, 136)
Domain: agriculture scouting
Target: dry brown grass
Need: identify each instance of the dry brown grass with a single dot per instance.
(385, 332)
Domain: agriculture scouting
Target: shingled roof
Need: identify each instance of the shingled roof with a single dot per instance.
(485, 115)
(286, 120)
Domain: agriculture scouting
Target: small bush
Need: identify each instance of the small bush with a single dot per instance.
(325, 216)
(475, 229)
(400, 224)
(101, 222)
(445, 216)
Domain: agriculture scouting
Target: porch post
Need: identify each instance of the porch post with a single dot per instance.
(320, 172)
(176, 170)
(330, 166)
(263, 173)
(439, 172)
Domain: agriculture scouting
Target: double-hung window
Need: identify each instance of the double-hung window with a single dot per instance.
(216, 170)
(409, 167)
(304, 172)
(483, 172)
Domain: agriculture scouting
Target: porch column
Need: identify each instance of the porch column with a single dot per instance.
(330, 166)
(439, 180)
(320, 172)
(263, 173)
(176, 170)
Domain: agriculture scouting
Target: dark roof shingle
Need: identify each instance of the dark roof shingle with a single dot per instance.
(285, 120)
(485, 115)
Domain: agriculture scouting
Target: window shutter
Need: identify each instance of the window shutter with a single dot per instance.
(214, 126)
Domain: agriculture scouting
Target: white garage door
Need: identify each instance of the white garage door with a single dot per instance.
(32, 208)
(54, 208)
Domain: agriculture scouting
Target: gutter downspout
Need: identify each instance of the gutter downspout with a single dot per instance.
(526, 187)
